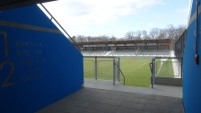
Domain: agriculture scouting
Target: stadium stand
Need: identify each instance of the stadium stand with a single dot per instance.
(126, 48)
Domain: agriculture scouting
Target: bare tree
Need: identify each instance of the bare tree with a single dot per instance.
(154, 33)
(138, 35)
(129, 35)
(179, 30)
(170, 32)
(103, 38)
(80, 38)
(89, 38)
(113, 38)
(145, 36)
(174, 33)
(163, 34)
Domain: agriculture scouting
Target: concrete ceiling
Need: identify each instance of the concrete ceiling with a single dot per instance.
(8, 4)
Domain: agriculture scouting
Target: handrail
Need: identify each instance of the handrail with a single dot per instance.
(150, 65)
(152, 78)
(121, 73)
(52, 17)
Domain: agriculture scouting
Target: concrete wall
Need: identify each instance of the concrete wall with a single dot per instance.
(192, 71)
(38, 65)
(168, 81)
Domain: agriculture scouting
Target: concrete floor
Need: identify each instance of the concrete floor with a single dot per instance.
(172, 91)
(117, 99)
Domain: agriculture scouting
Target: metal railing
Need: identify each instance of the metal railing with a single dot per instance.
(164, 70)
(121, 73)
(162, 66)
(52, 17)
(112, 64)
(180, 45)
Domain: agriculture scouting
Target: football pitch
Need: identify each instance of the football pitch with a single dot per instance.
(136, 70)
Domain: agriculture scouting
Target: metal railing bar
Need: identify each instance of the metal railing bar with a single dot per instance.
(119, 56)
(100, 56)
(168, 57)
(52, 17)
(150, 65)
(122, 74)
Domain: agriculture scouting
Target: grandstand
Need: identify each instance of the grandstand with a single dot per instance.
(126, 48)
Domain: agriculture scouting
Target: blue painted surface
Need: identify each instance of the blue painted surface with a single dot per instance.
(191, 71)
(193, 8)
(40, 67)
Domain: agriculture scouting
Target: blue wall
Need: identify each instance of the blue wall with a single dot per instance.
(191, 71)
(38, 65)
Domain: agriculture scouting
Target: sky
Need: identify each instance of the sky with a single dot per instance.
(117, 17)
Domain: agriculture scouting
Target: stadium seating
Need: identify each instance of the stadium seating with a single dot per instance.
(126, 53)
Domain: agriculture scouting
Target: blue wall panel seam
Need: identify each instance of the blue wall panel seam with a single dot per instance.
(29, 27)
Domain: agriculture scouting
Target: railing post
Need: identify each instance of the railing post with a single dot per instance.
(114, 71)
(151, 68)
(96, 69)
(181, 68)
(118, 72)
(153, 73)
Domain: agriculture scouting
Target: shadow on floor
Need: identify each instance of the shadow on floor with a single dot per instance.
(172, 91)
(91, 100)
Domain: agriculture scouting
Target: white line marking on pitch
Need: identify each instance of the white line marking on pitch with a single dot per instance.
(142, 65)
(159, 69)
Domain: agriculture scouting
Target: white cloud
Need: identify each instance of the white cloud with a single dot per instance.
(82, 12)
(78, 16)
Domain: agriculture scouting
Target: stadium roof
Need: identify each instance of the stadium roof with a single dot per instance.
(167, 41)
(8, 4)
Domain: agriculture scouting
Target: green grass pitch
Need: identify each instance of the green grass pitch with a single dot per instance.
(164, 68)
(136, 70)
